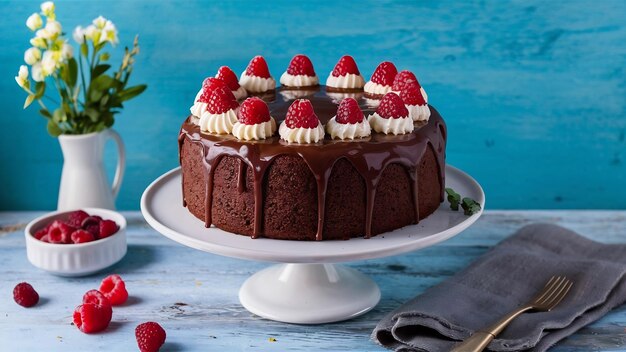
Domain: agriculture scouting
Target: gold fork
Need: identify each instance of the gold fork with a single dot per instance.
(553, 292)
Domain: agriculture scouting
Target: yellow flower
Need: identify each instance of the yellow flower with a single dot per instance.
(99, 22)
(67, 51)
(32, 55)
(34, 22)
(79, 35)
(50, 62)
(22, 77)
(109, 33)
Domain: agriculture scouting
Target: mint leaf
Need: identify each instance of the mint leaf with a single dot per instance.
(454, 199)
(470, 206)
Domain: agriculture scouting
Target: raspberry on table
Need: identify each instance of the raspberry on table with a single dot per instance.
(91, 317)
(150, 336)
(25, 295)
(114, 288)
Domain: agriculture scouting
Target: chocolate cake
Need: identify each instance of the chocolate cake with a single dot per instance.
(332, 189)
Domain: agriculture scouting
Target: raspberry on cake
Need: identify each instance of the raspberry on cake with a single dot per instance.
(405, 79)
(256, 78)
(381, 81)
(345, 76)
(254, 121)
(414, 102)
(349, 123)
(229, 77)
(391, 116)
(220, 112)
(300, 73)
(301, 125)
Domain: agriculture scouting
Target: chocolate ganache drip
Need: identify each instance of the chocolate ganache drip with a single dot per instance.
(369, 156)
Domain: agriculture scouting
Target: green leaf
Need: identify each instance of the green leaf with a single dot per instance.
(470, 206)
(95, 95)
(99, 69)
(29, 100)
(45, 113)
(84, 49)
(107, 119)
(53, 129)
(131, 92)
(453, 198)
(93, 114)
(40, 89)
(72, 75)
(102, 83)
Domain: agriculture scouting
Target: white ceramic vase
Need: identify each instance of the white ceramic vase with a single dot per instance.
(84, 181)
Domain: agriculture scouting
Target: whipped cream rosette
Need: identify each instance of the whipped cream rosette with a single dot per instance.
(349, 123)
(254, 121)
(415, 103)
(301, 125)
(220, 107)
(391, 116)
(256, 78)
(381, 81)
(345, 75)
(300, 73)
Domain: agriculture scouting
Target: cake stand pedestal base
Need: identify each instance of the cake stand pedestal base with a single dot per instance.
(309, 293)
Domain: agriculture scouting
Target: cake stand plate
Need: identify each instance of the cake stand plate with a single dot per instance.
(308, 288)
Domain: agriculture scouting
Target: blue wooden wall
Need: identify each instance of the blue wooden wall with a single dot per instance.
(534, 92)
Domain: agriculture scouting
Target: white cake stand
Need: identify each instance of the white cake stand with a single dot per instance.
(307, 288)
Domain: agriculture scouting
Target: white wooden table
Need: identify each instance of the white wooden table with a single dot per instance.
(193, 294)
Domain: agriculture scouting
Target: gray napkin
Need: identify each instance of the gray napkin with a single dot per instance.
(504, 278)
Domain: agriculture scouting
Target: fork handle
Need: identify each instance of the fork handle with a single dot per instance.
(480, 339)
(475, 343)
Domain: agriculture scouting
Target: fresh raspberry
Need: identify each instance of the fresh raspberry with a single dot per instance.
(404, 79)
(96, 297)
(92, 225)
(349, 112)
(253, 111)
(412, 95)
(107, 228)
(25, 295)
(384, 73)
(82, 236)
(45, 238)
(114, 288)
(258, 67)
(301, 115)
(228, 76)
(43, 232)
(345, 66)
(301, 65)
(91, 317)
(150, 336)
(391, 106)
(219, 99)
(60, 232)
(75, 219)
(211, 83)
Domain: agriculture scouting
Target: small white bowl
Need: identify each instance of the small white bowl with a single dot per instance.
(76, 259)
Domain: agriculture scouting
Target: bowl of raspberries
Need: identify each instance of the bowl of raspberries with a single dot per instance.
(76, 243)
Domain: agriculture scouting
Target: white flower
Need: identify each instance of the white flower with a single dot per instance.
(67, 51)
(34, 22)
(22, 77)
(38, 42)
(37, 72)
(32, 55)
(47, 8)
(99, 22)
(109, 33)
(53, 28)
(92, 33)
(50, 61)
(79, 35)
